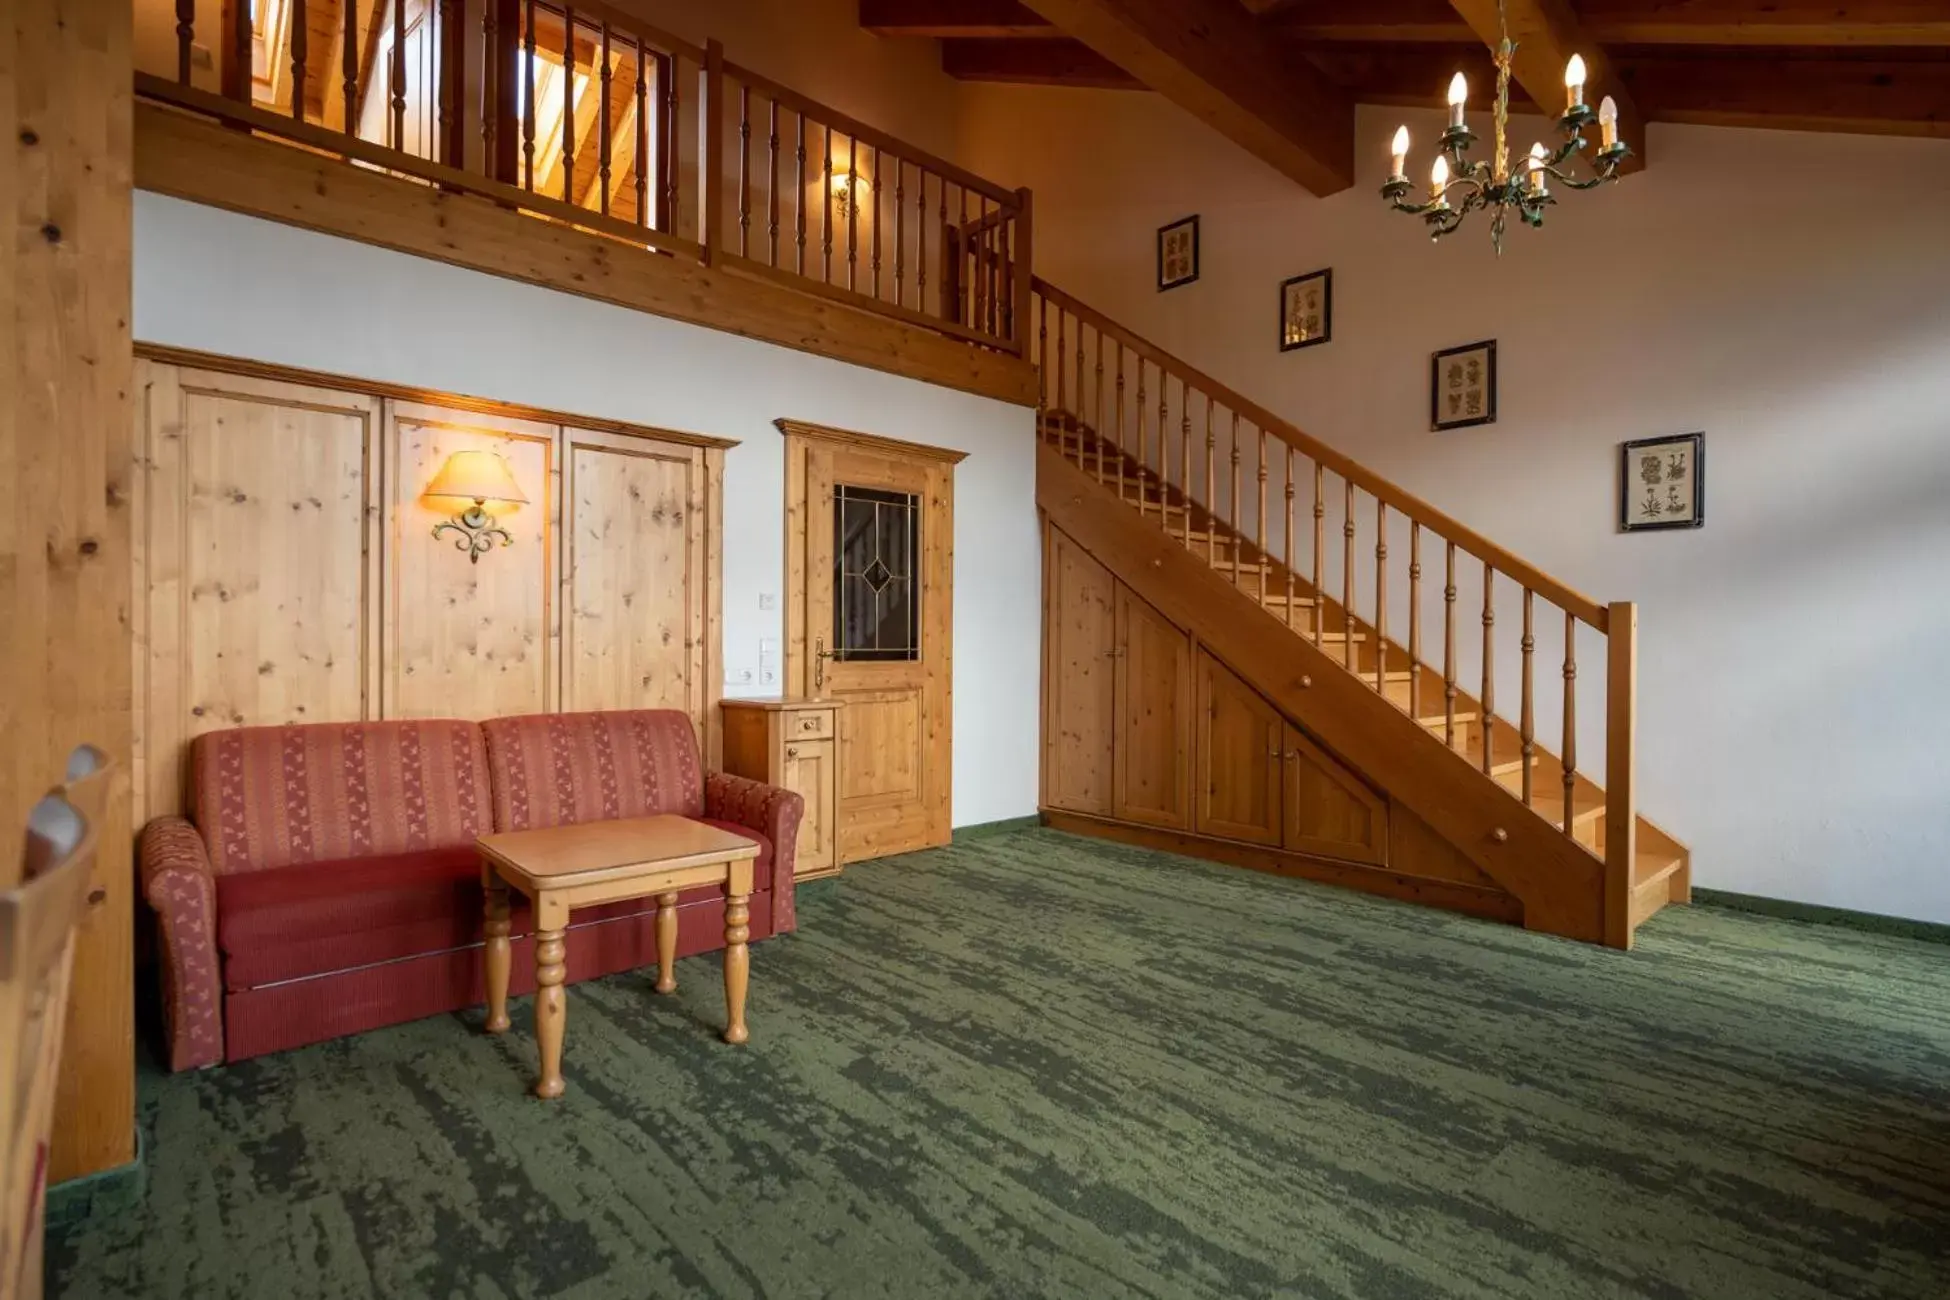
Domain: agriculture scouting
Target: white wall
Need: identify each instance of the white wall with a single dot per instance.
(243, 287)
(1788, 294)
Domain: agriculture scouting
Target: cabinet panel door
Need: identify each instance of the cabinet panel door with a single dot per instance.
(1239, 749)
(1154, 716)
(1081, 671)
(1329, 810)
(808, 768)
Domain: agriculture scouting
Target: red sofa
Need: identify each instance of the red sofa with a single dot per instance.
(325, 881)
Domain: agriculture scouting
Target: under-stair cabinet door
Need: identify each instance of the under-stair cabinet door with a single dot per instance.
(1331, 812)
(1081, 668)
(1240, 739)
(1152, 749)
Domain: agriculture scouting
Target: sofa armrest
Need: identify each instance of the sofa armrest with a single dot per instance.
(774, 812)
(179, 884)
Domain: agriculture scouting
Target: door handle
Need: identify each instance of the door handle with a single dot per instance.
(820, 655)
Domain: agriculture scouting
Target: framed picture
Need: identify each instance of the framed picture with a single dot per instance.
(1462, 386)
(1307, 310)
(1662, 483)
(1177, 253)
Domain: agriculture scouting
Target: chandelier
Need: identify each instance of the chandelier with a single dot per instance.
(1458, 186)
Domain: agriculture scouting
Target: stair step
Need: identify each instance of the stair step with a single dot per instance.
(1652, 874)
(1508, 757)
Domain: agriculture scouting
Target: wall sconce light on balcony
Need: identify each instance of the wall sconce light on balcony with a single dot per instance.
(846, 193)
(480, 477)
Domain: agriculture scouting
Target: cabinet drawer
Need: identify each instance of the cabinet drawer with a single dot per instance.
(814, 724)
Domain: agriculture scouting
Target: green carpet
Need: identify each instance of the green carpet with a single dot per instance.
(1041, 1066)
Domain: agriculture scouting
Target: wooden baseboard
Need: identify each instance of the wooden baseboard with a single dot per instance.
(1490, 904)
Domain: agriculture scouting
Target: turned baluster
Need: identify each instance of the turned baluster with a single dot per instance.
(852, 213)
(349, 74)
(900, 231)
(1042, 352)
(1529, 722)
(1381, 598)
(1415, 619)
(1449, 652)
(1347, 577)
(1232, 501)
(300, 41)
(398, 71)
(604, 160)
(799, 202)
(673, 162)
(1259, 540)
(1570, 719)
(1143, 451)
(1185, 458)
(1320, 554)
(1062, 389)
(1117, 426)
(642, 142)
(826, 210)
(772, 182)
(186, 37)
(1288, 531)
(527, 98)
(1097, 442)
(1489, 676)
(1211, 488)
(744, 168)
(921, 239)
(964, 296)
(873, 187)
(569, 109)
(1164, 448)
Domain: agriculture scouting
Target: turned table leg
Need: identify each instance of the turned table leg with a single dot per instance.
(667, 942)
(737, 954)
(551, 1009)
(498, 948)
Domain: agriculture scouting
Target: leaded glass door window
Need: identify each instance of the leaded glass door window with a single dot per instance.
(876, 555)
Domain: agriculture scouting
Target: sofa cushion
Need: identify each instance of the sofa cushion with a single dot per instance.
(554, 769)
(315, 918)
(267, 797)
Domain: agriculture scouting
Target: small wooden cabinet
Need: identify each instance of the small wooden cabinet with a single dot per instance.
(793, 743)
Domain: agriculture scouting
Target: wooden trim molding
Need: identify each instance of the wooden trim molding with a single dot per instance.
(869, 441)
(195, 360)
(189, 157)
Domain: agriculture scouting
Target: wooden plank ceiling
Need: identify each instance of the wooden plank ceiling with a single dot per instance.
(1280, 76)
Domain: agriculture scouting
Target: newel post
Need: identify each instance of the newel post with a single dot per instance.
(1024, 268)
(713, 162)
(1621, 739)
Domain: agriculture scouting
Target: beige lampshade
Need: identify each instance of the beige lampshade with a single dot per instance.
(476, 476)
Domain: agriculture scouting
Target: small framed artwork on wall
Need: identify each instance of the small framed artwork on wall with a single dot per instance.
(1177, 253)
(1462, 386)
(1307, 310)
(1662, 483)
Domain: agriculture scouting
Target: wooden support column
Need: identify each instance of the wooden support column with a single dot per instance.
(65, 442)
(1621, 743)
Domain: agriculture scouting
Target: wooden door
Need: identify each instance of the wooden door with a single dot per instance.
(1080, 648)
(1151, 767)
(870, 571)
(1330, 811)
(1239, 756)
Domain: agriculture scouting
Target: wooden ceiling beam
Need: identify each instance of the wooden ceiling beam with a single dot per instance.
(1034, 63)
(1792, 23)
(1851, 96)
(1547, 33)
(953, 19)
(1210, 57)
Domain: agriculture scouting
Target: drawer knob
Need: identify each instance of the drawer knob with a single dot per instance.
(1500, 835)
(792, 751)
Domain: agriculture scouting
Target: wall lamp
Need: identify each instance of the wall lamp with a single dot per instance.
(480, 477)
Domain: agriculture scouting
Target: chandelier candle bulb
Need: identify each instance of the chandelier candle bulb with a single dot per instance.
(1458, 94)
(1538, 155)
(1438, 179)
(1400, 171)
(1607, 124)
(1574, 83)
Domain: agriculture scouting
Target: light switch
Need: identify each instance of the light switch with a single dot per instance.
(768, 600)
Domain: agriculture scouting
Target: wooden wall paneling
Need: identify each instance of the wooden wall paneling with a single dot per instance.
(713, 608)
(1238, 781)
(65, 79)
(470, 640)
(1415, 850)
(1330, 811)
(1080, 654)
(259, 559)
(634, 565)
(1151, 760)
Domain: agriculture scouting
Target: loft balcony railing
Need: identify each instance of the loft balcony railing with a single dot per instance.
(589, 116)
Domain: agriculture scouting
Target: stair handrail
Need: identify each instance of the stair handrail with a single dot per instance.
(1565, 597)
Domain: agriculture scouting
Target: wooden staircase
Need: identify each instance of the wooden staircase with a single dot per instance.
(1235, 491)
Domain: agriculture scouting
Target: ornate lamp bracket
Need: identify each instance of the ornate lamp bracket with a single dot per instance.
(477, 532)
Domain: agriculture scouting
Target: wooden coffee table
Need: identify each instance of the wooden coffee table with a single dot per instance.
(565, 867)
